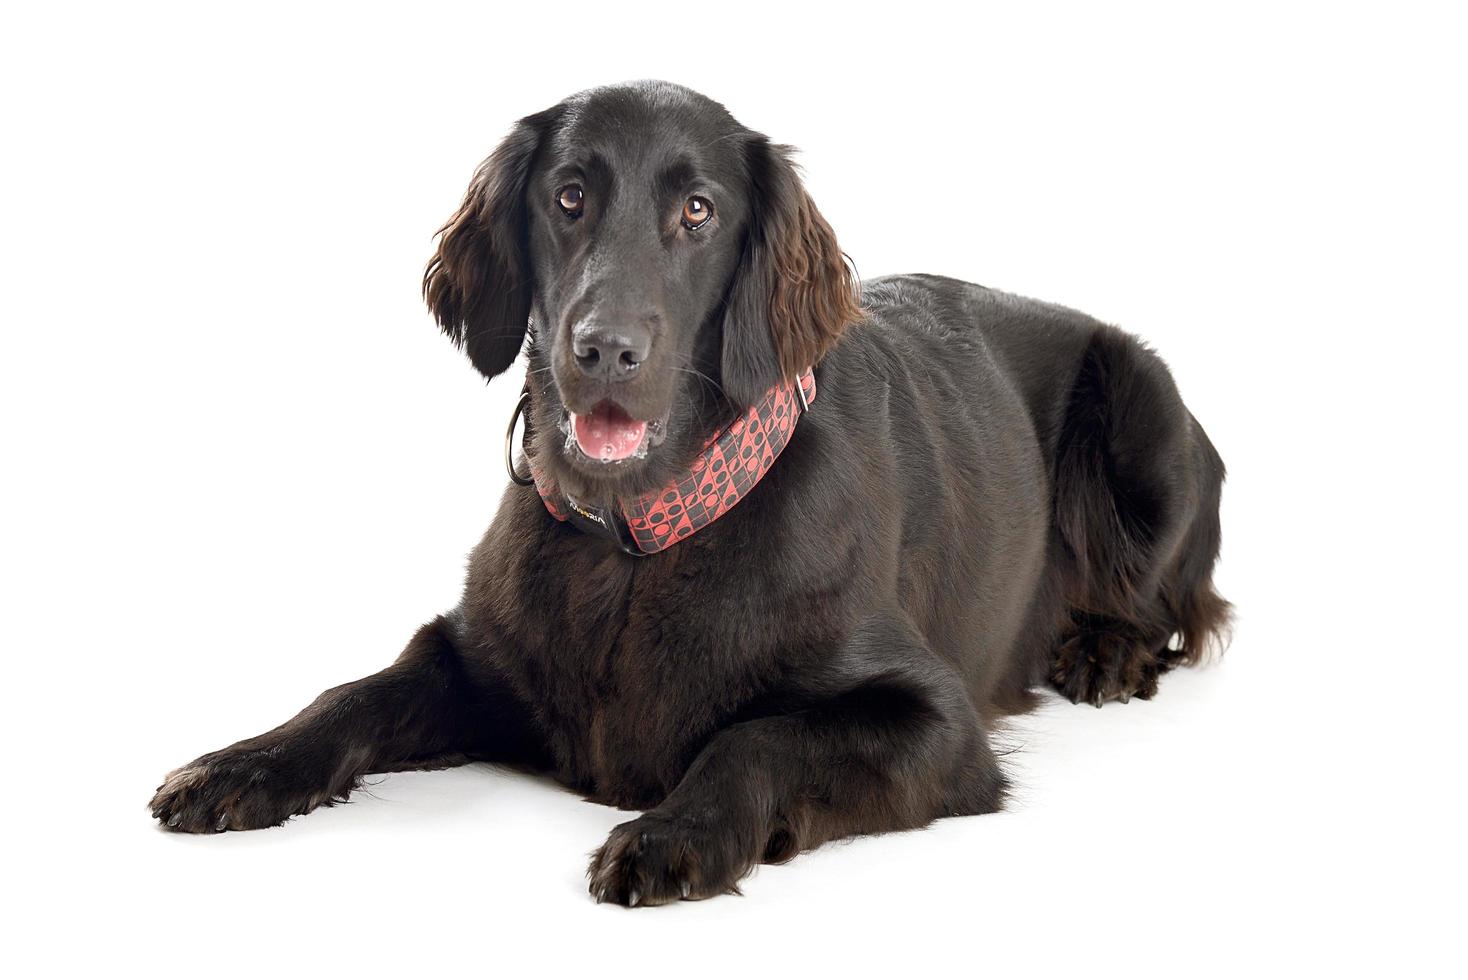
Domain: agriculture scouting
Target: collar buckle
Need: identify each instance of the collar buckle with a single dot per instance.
(800, 389)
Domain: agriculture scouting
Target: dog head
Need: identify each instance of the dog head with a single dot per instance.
(668, 265)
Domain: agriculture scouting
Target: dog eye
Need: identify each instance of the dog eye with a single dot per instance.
(571, 200)
(696, 211)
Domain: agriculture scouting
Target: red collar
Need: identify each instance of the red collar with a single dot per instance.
(731, 463)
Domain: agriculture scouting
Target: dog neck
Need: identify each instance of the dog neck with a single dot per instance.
(730, 464)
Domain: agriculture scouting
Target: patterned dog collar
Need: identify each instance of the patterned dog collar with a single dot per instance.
(729, 466)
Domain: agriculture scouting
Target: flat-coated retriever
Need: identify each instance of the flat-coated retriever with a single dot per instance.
(782, 546)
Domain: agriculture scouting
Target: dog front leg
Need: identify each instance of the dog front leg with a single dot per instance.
(421, 709)
(889, 741)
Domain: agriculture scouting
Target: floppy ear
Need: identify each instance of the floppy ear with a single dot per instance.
(478, 283)
(793, 293)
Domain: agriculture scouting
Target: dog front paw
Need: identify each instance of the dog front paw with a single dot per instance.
(236, 789)
(660, 858)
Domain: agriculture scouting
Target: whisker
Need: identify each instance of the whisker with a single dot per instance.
(702, 377)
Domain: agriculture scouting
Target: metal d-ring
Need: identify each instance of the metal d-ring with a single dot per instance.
(523, 481)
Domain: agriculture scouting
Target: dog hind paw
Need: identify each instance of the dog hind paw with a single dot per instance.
(1096, 667)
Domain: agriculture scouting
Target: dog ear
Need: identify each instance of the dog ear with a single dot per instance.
(793, 293)
(478, 283)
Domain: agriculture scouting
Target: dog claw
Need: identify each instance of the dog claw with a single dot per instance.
(221, 823)
(175, 820)
(685, 888)
(632, 898)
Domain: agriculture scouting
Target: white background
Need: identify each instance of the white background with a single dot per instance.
(241, 466)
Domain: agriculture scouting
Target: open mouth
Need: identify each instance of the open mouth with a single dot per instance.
(608, 434)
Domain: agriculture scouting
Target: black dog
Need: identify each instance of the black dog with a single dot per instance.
(971, 494)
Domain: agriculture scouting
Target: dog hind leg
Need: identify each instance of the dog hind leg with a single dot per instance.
(1136, 513)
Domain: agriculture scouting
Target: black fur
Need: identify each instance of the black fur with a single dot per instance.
(990, 494)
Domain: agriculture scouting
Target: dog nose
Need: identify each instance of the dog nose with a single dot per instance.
(610, 353)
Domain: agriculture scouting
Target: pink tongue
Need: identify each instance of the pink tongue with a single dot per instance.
(607, 433)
